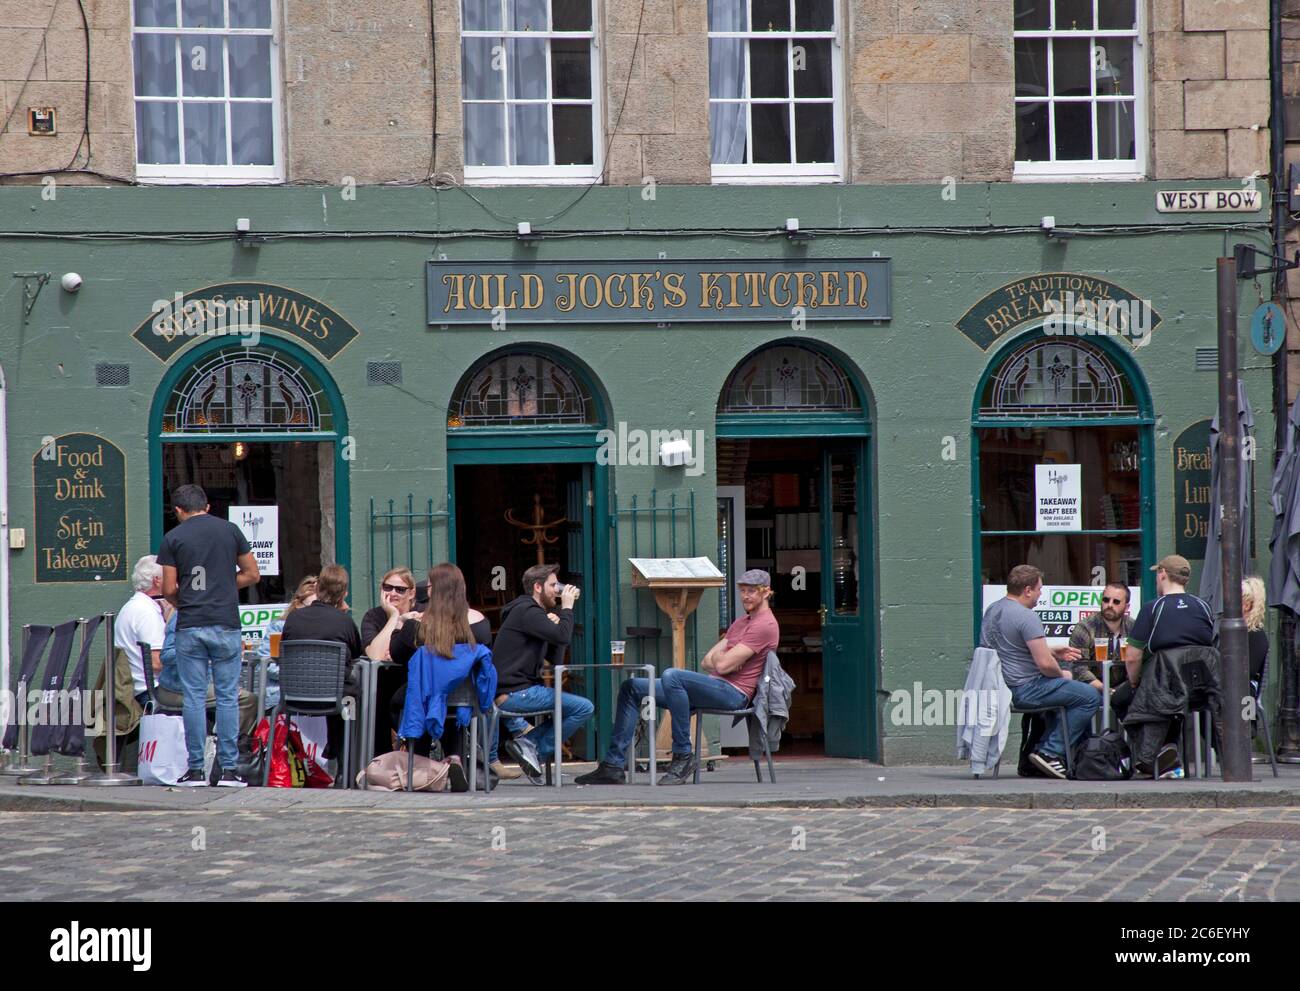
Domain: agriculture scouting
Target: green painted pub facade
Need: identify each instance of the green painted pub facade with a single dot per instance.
(865, 407)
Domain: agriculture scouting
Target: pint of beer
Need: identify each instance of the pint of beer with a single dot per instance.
(616, 652)
(1102, 649)
(275, 645)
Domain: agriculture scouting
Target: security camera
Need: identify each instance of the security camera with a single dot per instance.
(71, 282)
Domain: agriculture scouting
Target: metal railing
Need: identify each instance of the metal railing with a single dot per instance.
(653, 529)
(397, 528)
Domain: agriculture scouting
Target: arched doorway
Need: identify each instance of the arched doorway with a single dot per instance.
(258, 427)
(794, 498)
(1048, 400)
(522, 445)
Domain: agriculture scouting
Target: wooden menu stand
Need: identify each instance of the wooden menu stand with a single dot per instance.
(677, 584)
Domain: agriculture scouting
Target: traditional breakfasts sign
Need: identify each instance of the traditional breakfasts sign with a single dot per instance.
(657, 292)
(1065, 303)
(79, 485)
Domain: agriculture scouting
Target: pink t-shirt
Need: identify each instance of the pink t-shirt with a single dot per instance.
(760, 633)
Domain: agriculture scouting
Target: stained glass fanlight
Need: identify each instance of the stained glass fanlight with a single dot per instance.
(787, 378)
(1053, 378)
(520, 388)
(247, 390)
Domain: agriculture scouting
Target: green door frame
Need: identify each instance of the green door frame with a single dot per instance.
(1144, 421)
(550, 445)
(342, 485)
(855, 433)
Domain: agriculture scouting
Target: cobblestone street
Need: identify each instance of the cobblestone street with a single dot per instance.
(667, 853)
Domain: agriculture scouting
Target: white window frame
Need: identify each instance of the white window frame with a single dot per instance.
(180, 174)
(1103, 170)
(767, 173)
(553, 175)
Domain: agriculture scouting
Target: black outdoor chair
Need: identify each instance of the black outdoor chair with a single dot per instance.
(1028, 712)
(312, 673)
(549, 711)
(1262, 717)
(750, 719)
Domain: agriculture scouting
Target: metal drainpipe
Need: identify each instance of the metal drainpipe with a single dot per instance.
(4, 557)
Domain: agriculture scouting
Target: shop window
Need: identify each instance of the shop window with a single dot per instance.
(787, 378)
(775, 84)
(1080, 88)
(248, 390)
(520, 389)
(206, 90)
(530, 90)
(1064, 404)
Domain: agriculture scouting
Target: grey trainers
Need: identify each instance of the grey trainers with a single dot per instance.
(681, 771)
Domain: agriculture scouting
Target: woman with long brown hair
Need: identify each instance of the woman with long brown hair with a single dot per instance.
(448, 643)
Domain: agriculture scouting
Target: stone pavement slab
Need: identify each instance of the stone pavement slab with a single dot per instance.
(828, 783)
(667, 854)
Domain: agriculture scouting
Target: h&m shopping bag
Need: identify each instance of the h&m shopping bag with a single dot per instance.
(163, 757)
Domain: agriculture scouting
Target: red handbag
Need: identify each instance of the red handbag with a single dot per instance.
(290, 765)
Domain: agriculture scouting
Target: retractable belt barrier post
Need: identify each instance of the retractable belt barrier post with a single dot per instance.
(49, 718)
(111, 776)
(72, 741)
(22, 769)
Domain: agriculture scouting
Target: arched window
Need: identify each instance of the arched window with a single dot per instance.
(787, 378)
(248, 390)
(520, 388)
(1052, 378)
(1063, 479)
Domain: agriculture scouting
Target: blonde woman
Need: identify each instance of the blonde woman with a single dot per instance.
(1254, 609)
(396, 606)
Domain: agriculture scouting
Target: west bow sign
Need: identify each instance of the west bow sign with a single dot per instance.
(657, 292)
(242, 311)
(1079, 305)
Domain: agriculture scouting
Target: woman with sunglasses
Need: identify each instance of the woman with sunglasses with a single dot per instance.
(396, 606)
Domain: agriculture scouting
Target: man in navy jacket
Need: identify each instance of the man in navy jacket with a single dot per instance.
(533, 631)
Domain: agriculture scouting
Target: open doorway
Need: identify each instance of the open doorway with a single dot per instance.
(296, 476)
(792, 507)
(511, 517)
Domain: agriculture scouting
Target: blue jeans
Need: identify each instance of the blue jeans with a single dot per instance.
(574, 709)
(197, 649)
(1080, 702)
(676, 690)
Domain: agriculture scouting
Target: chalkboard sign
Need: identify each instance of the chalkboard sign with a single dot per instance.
(79, 484)
(1192, 490)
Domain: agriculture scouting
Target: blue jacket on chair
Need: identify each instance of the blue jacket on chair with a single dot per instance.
(431, 678)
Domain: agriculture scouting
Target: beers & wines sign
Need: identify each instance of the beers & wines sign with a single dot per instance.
(79, 484)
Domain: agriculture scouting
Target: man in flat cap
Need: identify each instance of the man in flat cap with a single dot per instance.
(727, 679)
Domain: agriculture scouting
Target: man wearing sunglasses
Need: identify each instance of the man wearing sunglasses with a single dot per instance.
(1111, 625)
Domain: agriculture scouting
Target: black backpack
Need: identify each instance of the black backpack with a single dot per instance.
(1104, 757)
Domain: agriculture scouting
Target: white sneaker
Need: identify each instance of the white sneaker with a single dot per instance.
(1053, 767)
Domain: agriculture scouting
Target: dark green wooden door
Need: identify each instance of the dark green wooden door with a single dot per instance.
(847, 661)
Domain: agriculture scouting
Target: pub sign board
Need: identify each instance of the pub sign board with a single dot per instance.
(242, 311)
(659, 291)
(1192, 467)
(79, 486)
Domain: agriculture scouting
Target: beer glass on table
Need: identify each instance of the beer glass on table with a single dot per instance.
(616, 652)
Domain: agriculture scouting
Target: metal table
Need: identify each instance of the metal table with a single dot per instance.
(368, 677)
(649, 670)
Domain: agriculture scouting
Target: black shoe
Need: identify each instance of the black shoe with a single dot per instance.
(1052, 767)
(231, 779)
(524, 753)
(604, 774)
(681, 771)
(456, 776)
(193, 778)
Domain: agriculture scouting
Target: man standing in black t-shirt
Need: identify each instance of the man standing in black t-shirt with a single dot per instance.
(206, 561)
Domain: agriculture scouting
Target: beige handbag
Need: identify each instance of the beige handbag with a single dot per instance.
(387, 772)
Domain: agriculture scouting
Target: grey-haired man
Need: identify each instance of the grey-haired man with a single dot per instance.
(727, 679)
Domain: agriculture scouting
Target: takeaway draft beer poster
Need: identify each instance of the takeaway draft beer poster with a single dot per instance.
(1058, 503)
(79, 484)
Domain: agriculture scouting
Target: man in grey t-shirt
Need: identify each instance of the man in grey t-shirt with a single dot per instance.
(1033, 671)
